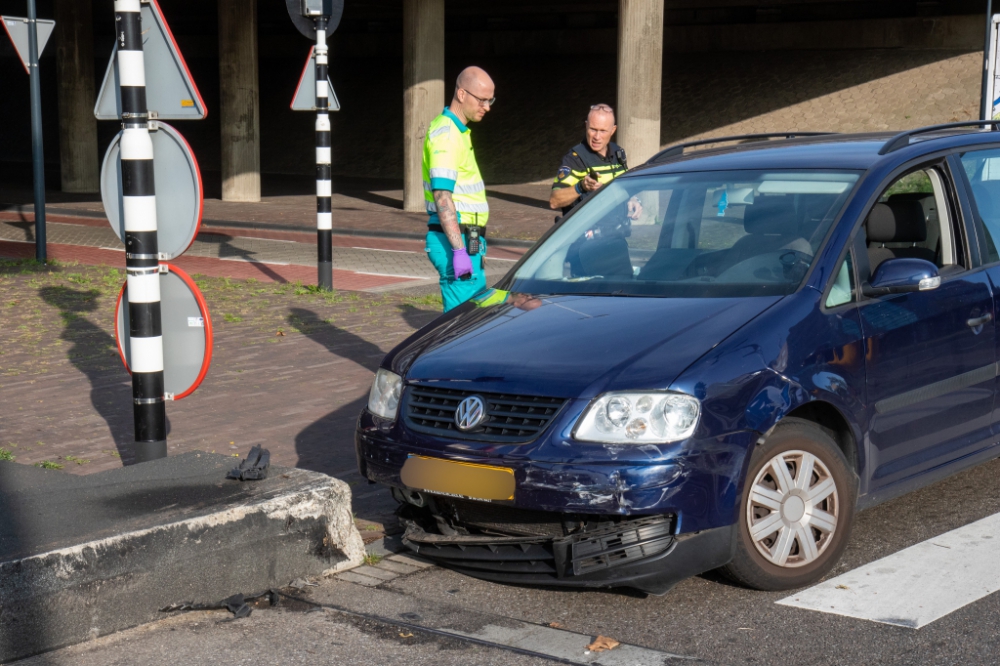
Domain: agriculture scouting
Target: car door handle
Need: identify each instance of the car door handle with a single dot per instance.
(979, 321)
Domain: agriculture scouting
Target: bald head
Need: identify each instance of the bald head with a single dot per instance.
(474, 91)
(600, 128)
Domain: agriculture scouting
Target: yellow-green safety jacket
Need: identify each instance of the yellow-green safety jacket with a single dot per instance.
(450, 164)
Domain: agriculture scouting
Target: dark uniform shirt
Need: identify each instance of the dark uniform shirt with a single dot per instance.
(581, 160)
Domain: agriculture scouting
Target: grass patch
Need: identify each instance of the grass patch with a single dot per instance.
(371, 559)
(48, 464)
(231, 318)
(5, 454)
(78, 461)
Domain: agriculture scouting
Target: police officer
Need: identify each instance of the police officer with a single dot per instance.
(590, 164)
(454, 191)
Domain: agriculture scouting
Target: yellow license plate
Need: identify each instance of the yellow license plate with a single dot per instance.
(458, 479)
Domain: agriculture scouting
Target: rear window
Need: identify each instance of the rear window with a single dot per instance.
(707, 234)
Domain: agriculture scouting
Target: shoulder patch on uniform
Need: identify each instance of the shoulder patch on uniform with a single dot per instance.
(563, 172)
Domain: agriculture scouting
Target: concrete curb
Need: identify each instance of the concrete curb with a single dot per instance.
(257, 535)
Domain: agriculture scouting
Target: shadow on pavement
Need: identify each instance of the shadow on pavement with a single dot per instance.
(328, 444)
(95, 354)
(416, 317)
(519, 199)
(228, 251)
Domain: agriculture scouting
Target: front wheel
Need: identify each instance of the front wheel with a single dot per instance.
(797, 509)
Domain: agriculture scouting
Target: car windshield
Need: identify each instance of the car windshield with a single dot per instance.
(704, 234)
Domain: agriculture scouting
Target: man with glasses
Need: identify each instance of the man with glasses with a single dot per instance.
(590, 164)
(454, 191)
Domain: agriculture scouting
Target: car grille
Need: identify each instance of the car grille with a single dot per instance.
(509, 418)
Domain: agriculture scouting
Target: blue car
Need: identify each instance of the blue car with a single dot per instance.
(713, 363)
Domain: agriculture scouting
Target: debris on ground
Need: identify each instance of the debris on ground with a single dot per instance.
(602, 643)
(253, 467)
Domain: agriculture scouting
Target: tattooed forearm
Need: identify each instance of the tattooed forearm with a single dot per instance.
(449, 218)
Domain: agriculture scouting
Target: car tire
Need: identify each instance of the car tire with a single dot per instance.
(791, 530)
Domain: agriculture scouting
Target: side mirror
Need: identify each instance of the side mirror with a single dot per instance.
(900, 276)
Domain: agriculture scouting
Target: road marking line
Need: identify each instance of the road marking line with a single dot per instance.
(250, 261)
(382, 249)
(411, 277)
(917, 585)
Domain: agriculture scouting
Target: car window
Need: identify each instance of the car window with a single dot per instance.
(705, 234)
(983, 170)
(842, 290)
(912, 219)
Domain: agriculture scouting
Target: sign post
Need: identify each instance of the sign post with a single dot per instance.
(29, 37)
(37, 154)
(320, 17)
(142, 265)
(128, 187)
(324, 183)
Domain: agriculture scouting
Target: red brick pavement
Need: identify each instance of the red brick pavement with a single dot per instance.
(263, 272)
(66, 397)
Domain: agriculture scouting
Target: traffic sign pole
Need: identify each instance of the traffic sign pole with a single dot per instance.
(324, 184)
(141, 249)
(37, 154)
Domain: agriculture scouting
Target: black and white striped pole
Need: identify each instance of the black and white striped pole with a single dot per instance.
(141, 251)
(324, 184)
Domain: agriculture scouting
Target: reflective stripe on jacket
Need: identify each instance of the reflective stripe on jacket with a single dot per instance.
(450, 164)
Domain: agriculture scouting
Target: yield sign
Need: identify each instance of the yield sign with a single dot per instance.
(17, 30)
(170, 90)
(304, 98)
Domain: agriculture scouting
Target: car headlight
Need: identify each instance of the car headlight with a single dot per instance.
(639, 418)
(384, 397)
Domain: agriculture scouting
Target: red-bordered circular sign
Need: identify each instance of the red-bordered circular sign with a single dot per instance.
(187, 332)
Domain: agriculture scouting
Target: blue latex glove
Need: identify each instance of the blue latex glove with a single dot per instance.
(461, 262)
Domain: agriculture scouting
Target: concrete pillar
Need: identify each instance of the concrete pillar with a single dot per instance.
(423, 88)
(74, 42)
(640, 72)
(239, 94)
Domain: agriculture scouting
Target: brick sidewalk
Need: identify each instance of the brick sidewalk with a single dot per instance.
(67, 399)
(361, 264)
(518, 212)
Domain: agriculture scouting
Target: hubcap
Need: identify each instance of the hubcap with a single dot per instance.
(792, 509)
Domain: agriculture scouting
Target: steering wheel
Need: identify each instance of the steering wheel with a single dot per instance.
(770, 267)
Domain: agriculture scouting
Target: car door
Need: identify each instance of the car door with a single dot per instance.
(980, 171)
(930, 355)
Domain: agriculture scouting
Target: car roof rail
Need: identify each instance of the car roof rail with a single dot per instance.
(902, 139)
(674, 151)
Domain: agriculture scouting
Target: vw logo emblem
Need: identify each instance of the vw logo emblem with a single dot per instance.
(470, 413)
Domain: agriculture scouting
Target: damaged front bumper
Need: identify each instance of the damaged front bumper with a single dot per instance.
(592, 519)
(642, 553)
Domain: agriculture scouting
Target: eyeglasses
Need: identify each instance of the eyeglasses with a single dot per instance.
(482, 102)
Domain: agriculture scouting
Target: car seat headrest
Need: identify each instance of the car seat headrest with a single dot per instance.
(773, 215)
(897, 222)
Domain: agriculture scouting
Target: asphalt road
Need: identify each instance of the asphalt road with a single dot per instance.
(703, 619)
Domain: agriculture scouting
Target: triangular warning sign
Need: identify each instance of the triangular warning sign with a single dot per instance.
(170, 90)
(17, 30)
(304, 98)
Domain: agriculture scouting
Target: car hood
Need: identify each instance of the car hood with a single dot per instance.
(571, 346)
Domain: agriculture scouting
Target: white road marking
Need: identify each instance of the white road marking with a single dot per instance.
(382, 249)
(250, 261)
(917, 585)
(411, 277)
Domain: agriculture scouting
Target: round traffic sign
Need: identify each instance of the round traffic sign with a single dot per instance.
(187, 332)
(305, 25)
(177, 182)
